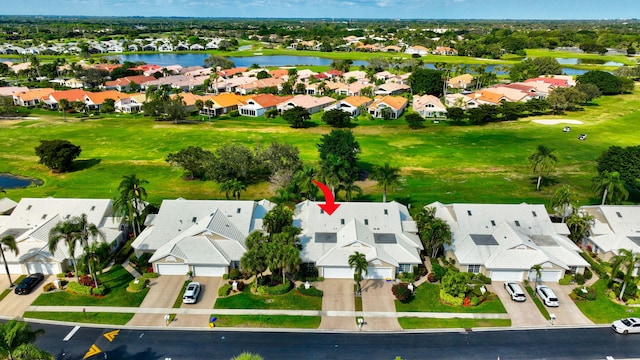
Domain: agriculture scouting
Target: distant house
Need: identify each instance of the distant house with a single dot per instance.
(257, 105)
(351, 105)
(75, 95)
(460, 81)
(124, 84)
(95, 100)
(429, 107)
(444, 50)
(31, 97)
(615, 227)
(12, 90)
(229, 73)
(132, 103)
(489, 97)
(392, 88)
(394, 105)
(165, 47)
(259, 84)
(310, 103)
(222, 104)
(417, 50)
(460, 100)
(352, 89)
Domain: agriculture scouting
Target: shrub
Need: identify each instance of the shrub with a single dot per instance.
(85, 280)
(150, 275)
(578, 294)
(275, 290)
(225, 276)
(234, 113)
(588, 274)
(431, 277)
(75, 288)
(138, 284)
(450, 299)
(99, 290)
(485, 279)
(596, 267)
(474, 301)
(312, 291)
(143, 260)
(234, 274)
(437, 269)
(401, 292)
(133, 260)
(49, 287)
(579, 279)
(224, 290)
(270, 114)
(566, 280)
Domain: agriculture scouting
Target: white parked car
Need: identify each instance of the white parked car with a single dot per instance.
(191, 293)
(515, 291)
(626, 326)
(547, 295)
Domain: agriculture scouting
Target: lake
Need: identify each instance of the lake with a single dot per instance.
(576, 61)
(10, 181)
(185, 60)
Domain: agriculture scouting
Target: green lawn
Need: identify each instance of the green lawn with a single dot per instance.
(268, 321)
(536, 300)
(602, 310)
(431, 323)
(16, 281)
(116, 280)
(88, 318)
(440, 162)
(427, 299)
(292, 300)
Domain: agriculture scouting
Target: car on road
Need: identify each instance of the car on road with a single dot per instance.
(28, 284)
(191, 293)
(515, 291)
(547, 295)
(626, 326)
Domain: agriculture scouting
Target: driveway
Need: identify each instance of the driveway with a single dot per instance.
(163, 291)
(377, 297)
(208, 293)
(337, 299)
(15, 305)
(567, 313)
(522, 314)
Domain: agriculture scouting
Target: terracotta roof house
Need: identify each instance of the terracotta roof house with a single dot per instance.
(542, 89)
(311, 103)
(569, 78)
(460, 81)
(512, 94)
(222, 104)
(31, 97)
(384, 232)
(615, 227)
(351, 105)
(278, 73)
(391, 48)
(429, 107)
(265, 83)
(31, 221)
(333, 73)
(444, 50)
(460, 100)
(106, 67)
(554, 82)
(94, 100)
(189, 100)
(504, 241)
(394, 105)
(359, 75)
(392, 88)
(124, 84)
(229, 73)
(203, 236)
(70, 95)
(257, 105)
(418, 50)
(147, 69)
(531, 91)
(489, 97)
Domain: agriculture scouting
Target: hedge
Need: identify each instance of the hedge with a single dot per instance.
(599, 269)
(74, 287)
(150, 275)
(99, 290)
(138, 284)
(275, 290)
(224, 290)
(450, 299)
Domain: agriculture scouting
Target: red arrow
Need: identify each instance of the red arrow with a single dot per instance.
(329, 206)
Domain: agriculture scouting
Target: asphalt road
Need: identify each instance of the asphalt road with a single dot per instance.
(554, 343)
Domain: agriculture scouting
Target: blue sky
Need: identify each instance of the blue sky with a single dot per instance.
(392, 9)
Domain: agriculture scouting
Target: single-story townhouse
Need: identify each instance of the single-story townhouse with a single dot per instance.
(222, 104)
(33, 218)
(489, 97)
(392, 88)
(417, 50)
(394, 104)
(203, 236)
(131, 103)
(460, 100)
(615, 227)
(429, 107)
(257, 105)
(460, 81)
(310, 103)
(256, 85)
(12, 90)
(512, 94)
(94, 100)
(384, 232)
(351, 105)
(74, 95)
(352, 89)
(31, 97)
(124, 84)
(504, 241)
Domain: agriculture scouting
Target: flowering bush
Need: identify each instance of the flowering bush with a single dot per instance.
(401, 292)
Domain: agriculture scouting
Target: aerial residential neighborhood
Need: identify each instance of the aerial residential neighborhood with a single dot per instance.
(339, 176)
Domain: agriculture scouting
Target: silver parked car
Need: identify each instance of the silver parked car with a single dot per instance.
(626, 326)
(191, 294)
(547, 295)
(515, 291)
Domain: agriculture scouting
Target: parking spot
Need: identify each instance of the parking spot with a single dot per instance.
(208, 292)
(567, 313)
(15, 305)
(377, 297)
(337, 296)
(522, 314)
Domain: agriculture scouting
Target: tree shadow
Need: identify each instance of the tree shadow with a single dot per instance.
(121, 352)
(546, 181)
(80, 165)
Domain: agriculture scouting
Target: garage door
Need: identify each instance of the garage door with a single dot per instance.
(46, 268)
(379, 273)
(13, 269)
(203, 270)
(506, 275)
(546, 275)
(337, 273)
(173, 269)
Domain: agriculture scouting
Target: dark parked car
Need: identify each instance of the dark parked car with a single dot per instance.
(29, 283)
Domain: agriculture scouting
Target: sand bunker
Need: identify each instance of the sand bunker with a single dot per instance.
(557, 121)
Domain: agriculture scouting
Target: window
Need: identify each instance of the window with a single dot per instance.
(28, 207)
(386, 212)
(493, 223)
(44, 216)
(517, 223)
(404, 268)
(475, 268)
(534, 214)
(366, 221)
(618, 213)
(469, 212)
(321, 211)
(193, 220)
(93, 208)
(341, 221)
(238, 210)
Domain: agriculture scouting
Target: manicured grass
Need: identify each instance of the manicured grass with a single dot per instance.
(603, 310)
(431, 323)
(292, 300)
(88, 318)
(427, 299)
(268, 321)
(536, 300)
(440, 162)
(8, 291)
(116, 280)
(358, 303)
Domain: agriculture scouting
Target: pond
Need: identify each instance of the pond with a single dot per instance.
(10, 181)
(576, 61)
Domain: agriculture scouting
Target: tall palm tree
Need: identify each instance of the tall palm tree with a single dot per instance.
(247, 356)
(543, 161)
(303, 178)
(129, 200)
(579, 224)
(16, 342)
(8, 243)
(233, 188)
(563, 201)
(386, 176)
(215, 77)
(358, 262)
(610, 186)
(87, 230)
(63, 105)
(626, 262)
(68, 232)
(538, 270)
(349, 188)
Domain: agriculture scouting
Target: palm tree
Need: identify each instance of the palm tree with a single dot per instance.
(303, 178)
(563, 201)
(579, 224)
(542, 162)
(87, 230)
(349, 188)
(63, 105)
(215, 76)
(16, 342)
(233, 188)
(610, 186)
(68, 232)
(358, 262)
(538, 271)
(247, 356)
(624, 260)
(386, 176)
(8, 243)
(129, 199)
